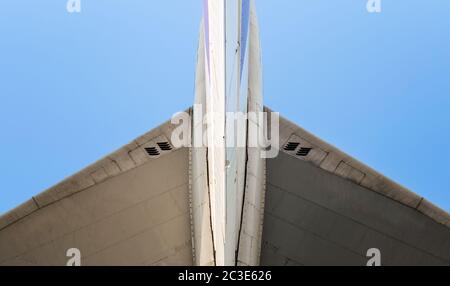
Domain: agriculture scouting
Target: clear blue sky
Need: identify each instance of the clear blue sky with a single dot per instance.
(74, 87)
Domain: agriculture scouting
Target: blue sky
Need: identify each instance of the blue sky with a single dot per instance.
(75, 87)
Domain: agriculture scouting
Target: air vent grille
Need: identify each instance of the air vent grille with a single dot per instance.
(165, 146)
(152, 151)
(303, 152)
(291, 146)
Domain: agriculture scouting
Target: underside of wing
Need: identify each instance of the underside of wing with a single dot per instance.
(325, 208)
(130, 208)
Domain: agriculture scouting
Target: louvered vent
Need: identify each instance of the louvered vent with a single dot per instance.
(291, 146)
(165, 146)
(152, 151)
(303, 152)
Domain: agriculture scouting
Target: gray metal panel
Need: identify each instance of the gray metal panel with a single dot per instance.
(139, 217)
(313, 217)
(335, 161)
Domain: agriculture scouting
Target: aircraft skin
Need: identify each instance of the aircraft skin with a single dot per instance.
(213, 202)
(226, 48)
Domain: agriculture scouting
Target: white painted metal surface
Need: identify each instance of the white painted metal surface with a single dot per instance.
(226, 100)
